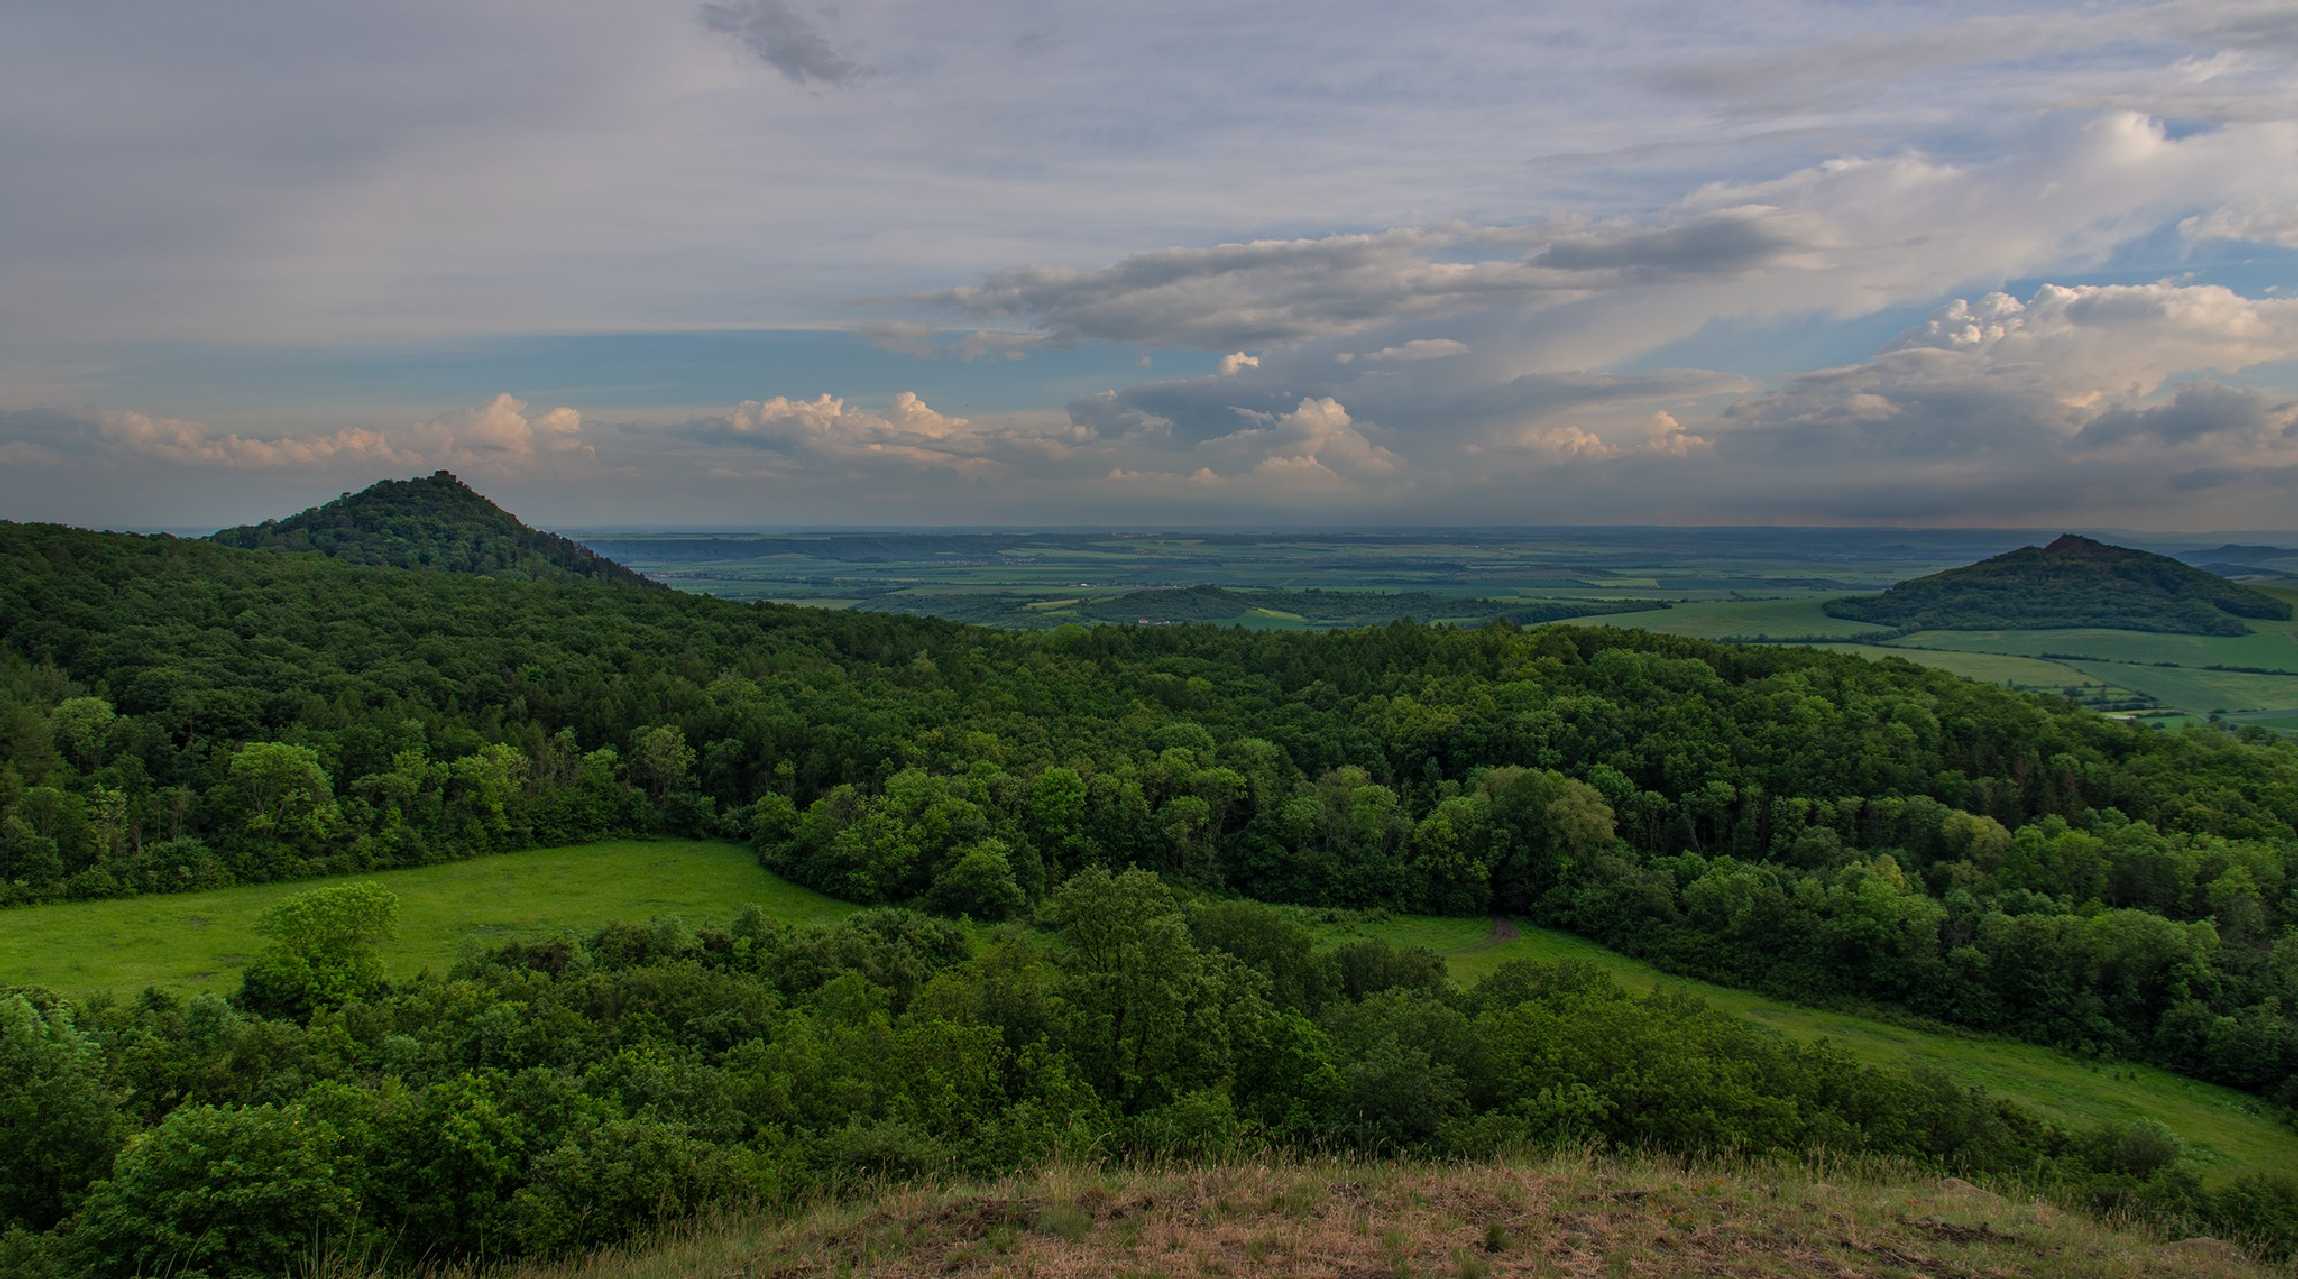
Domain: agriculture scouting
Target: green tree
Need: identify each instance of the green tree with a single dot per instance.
(660, 759)
(60, 1120)
(323, 950)
(979, 883)
(80, 725)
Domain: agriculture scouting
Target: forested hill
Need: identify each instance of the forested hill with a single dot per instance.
(431, 522)
(2073, 582)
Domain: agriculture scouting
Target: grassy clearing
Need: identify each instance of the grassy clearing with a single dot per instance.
(1561, 1215)
(199, 941)
(2229, 1131)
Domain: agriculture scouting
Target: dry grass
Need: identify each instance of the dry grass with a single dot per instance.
(1557, 1217)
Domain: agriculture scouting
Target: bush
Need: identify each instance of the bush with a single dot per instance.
(227, 1191)
(621, 1179)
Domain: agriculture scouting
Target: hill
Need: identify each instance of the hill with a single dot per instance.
(1562, 1215)
(2073, 582)
(434, 522)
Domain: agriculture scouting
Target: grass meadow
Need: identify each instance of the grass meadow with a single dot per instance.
(200, 941)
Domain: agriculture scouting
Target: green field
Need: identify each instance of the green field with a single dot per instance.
(199, 941)
(2268, 646)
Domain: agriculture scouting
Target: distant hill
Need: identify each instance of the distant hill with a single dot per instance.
(2240, 553)
(433, 522)
(2072, 582)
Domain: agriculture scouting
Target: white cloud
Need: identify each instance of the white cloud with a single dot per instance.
(2257, 222)
(1410, 352)
(2092, 340)
(1237, 362)
(1317, 443)
(1669, 438)
(1564, 441)
(500, 435)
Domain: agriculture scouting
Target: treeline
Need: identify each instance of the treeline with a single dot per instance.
(2109, 939)
(557, 1096)
(178, 715)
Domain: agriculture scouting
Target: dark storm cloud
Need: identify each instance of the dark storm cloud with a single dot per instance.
(2196, 413)
(785, 40)
(1714, 245)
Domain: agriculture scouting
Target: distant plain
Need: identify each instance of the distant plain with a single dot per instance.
(1750, 585)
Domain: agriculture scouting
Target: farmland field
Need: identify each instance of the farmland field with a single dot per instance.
(199, 941)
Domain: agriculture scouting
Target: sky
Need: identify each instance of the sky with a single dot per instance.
(782, 262)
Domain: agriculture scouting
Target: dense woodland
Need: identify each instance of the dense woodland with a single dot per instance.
(558, 1096)
(2073, 582)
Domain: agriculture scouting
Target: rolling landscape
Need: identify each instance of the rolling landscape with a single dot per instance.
(771, 639)
(299, 787)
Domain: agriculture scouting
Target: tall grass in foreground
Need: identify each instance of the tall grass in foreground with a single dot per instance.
(1566, 1214)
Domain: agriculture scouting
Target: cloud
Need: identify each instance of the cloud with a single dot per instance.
(26, 453)
(1272, 291)
(2088, 340)
(499, 435)
(1408, 352)
(2011, 410)
(1316, 443)
(910, 434)
(2257, 222)
(783, 39)
(1719, 243)
(1668, 437)
(1564, 441)
(923, 342)
(1232, 364)
(2198, 412)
